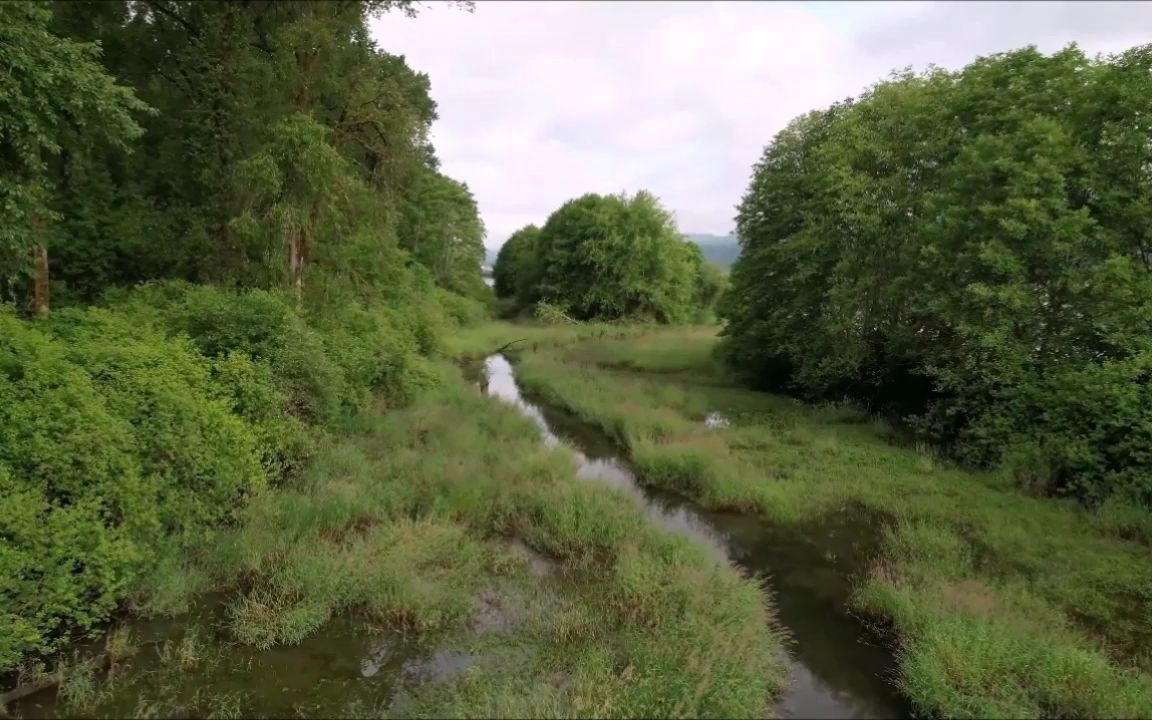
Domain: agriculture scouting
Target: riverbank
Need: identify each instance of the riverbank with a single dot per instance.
(435, 561)
(999, 604)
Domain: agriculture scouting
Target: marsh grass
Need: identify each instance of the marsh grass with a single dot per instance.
(1000, 604)
(186, 654)
(478, 341)
(120, 644)
(407, 522)
(81, 686)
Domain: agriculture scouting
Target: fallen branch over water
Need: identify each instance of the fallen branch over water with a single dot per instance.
(504, 347)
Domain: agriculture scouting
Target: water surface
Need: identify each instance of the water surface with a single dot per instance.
(837, 670)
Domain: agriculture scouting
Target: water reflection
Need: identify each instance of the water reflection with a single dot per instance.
(378, 656)
(833, 673)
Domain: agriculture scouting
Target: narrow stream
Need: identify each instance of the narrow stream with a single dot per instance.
(835, 672)
(191, 666)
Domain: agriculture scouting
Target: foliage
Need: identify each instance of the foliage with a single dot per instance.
(56, 96)
(967, 250)
(443, 230)
(297, 186)
(546, 313)
(513, 271)
(250, 243)
(114, 436)
(1000, 604)
(711, 283)
(253, 99)
(607, 258)
(148, 422)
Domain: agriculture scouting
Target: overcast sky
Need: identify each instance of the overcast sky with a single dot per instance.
(540, 102)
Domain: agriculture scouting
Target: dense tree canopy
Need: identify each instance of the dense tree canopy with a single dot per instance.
(57, 98)
(442, 229)
(970, 250)
(513, 272)
(248, 238)
(278, 131)
(606, 257)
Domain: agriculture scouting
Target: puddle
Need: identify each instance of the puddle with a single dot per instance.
(835, 670)
(342, 670)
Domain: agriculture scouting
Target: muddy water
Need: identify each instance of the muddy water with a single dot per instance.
(189, 667)
(836, 670)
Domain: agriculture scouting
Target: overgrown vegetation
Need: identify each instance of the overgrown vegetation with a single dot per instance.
(137, 425)
(230, 263)
(999, 604)
(609, 258)
(228, 227)
(969, 251)
(408, 521)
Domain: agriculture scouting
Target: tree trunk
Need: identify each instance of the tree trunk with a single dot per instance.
(40, 287)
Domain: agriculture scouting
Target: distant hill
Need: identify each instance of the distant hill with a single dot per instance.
(720, 249)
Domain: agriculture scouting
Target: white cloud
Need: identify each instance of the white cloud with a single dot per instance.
(543, 101)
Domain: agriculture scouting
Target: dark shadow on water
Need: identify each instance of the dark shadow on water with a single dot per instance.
(838, 670)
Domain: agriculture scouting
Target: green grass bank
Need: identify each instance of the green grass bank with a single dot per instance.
(414, 521)
(999, 604)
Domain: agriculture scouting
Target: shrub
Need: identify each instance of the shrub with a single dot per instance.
(1086, 430)
(267, 327)
(197, 455)
(74, 495)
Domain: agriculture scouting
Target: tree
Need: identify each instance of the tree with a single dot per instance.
(442, 229)
(515, 272)
(615, 257)
(56, 95)
(225, 77)
(298, 186)
(711, 283)
(954, 248)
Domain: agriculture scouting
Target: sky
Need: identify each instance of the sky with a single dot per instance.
(541, 102)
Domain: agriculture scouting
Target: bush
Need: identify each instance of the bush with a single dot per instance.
(130, 426)
(329, 359)
(252, 393)
(146, 423)
(265, 326)
(1083, 431)
(111, 436)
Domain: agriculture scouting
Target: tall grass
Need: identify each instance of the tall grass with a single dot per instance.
(1000, 604)
(405, 520)
(475, 342)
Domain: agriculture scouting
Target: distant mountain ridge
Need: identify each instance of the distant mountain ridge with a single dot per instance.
(720, 249)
